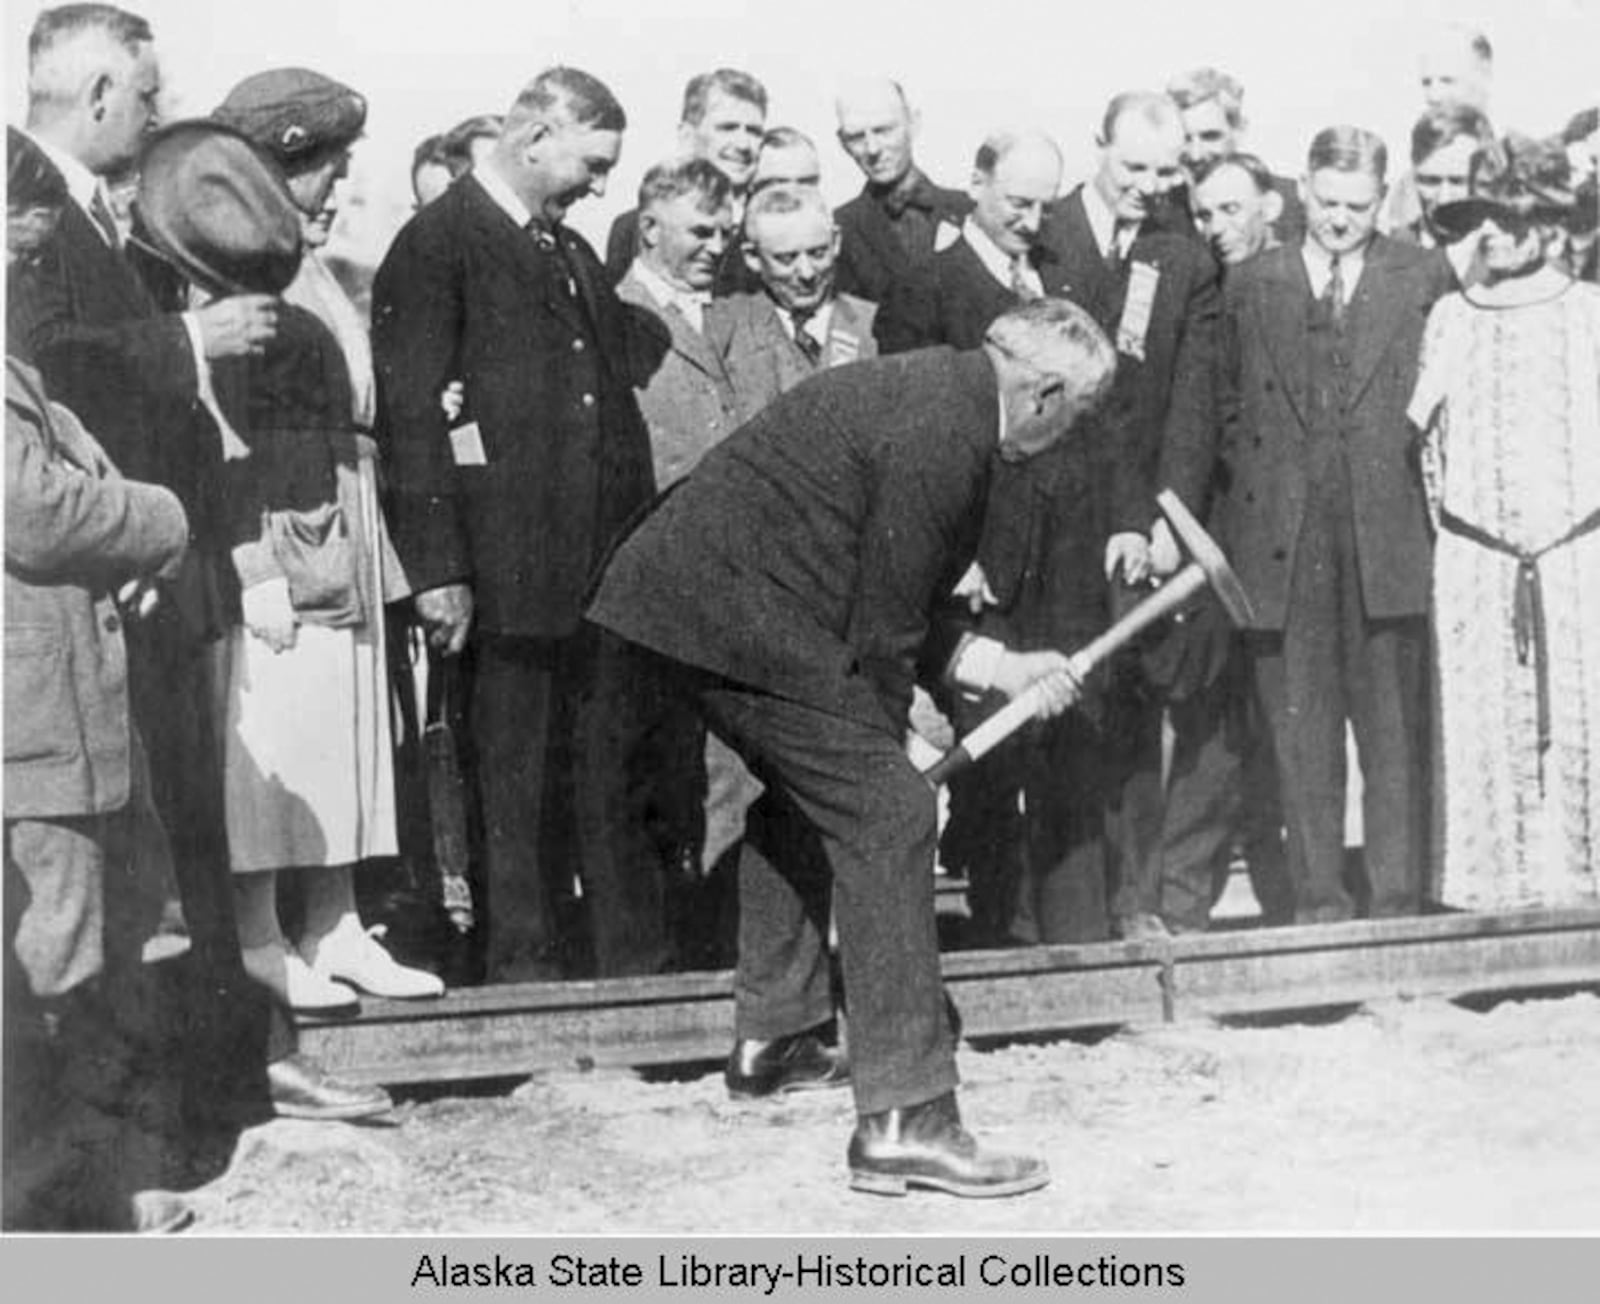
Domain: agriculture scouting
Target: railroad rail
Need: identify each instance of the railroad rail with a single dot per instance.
(497, 1031)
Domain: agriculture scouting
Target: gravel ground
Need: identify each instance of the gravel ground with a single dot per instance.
(1403, 1116)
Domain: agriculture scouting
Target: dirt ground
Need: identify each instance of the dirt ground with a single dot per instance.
(1413, 1116)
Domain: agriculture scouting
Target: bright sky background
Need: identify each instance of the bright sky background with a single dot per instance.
(970, 67)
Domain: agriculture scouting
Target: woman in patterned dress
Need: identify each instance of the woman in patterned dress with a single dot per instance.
(1508, 400)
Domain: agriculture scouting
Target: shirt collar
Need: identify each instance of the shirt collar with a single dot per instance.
(816, 324)
(1319, 267)
(1102, 221)
(499, 190)
(913, 190)
(82, 184)
(994, 259)
(667, 293)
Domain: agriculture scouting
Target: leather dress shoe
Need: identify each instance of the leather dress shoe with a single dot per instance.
(798, 1062)
(302, 1088)
(160, 1213)
(925, 1145)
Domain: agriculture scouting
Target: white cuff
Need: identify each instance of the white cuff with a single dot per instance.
(975, 663)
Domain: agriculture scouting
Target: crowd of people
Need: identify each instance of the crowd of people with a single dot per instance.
(696, 545)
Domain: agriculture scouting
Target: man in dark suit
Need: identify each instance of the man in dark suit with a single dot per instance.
(788, 587)
(1327, 524)
(900, 219)
(500, 514)
(139, 378)
(1212, 105)
(1155, 293)
(798, 324)
(724, 119)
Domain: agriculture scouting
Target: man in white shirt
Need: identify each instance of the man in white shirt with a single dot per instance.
(1327, 526)
(998, 259)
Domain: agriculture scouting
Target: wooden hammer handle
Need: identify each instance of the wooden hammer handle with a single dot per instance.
(1025, 705)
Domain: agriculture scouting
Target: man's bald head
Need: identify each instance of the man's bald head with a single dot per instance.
(876, 129)
(1015, 178)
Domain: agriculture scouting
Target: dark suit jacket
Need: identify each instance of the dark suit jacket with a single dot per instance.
(872, 257)
(952, 300)
(1161, 419)
(1267, 408)
(465, 294)
(763, 361)
(622, 247)
(109, 353)
(805, 555)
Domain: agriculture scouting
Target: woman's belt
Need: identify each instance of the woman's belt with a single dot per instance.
(1527, 613)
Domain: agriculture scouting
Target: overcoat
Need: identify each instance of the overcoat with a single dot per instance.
(522, 494)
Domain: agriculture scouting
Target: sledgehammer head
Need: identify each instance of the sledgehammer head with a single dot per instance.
(1205, 554)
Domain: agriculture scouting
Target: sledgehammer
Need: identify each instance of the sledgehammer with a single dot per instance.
(1206, 565)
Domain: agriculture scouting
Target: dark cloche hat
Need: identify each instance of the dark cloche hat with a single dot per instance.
(294, 113)
(215, 206)
(1517, 177)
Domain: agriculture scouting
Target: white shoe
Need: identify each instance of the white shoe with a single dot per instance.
(293, 982)
(355, 956)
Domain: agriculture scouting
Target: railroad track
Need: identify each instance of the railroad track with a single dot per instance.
(497, 1031)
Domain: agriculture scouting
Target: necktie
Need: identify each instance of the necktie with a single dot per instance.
(1021, 282)
(1121, 238)
(548, 239)
(1334, 295)
(804, 340)
(100, 211)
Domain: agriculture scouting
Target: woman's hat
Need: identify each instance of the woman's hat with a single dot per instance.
(1517, 179)
(216, 208)
(294, 113)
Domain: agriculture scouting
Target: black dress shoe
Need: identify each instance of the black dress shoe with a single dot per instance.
(160, 1213)
(925, 1145)
(302, 1088)
(798, 1062)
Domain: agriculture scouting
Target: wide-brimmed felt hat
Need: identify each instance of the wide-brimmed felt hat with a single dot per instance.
(1517, 178)
(217, 208)
(294, 113)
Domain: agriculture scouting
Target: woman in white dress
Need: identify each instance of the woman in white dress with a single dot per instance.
(307, 757)
(1508, 399)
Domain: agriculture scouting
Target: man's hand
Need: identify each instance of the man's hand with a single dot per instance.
(446, 612)
(1017, 671)
(1130, 553)
(239, 325)
(1165, 555)
(269, 615)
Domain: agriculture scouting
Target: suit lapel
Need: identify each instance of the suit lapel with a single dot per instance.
(1283, 312)
(538, 270)
(1376, 311)
(1080, 270)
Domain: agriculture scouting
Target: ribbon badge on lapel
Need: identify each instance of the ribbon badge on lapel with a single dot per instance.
(1143, 278)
